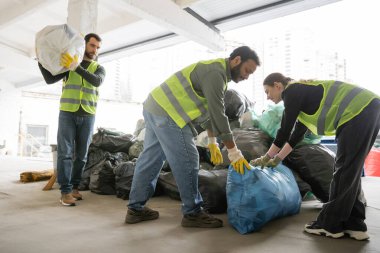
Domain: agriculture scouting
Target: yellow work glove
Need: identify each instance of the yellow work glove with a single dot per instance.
(69, 62)
(273, 162)
(216, 155)
(261, 161)
(237, 159)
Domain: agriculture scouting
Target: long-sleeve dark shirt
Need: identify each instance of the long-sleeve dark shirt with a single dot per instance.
(297, 97)
(95, 79)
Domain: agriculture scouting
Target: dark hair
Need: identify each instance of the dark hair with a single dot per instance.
(92, 35)
(245, 53)
(276, 77)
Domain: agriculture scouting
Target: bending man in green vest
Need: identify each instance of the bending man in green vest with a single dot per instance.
(193, 94)
(328, 108)
(77, 115)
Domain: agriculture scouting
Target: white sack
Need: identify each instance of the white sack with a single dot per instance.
(54, 40)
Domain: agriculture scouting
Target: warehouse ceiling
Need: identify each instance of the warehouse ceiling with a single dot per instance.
(126, 26)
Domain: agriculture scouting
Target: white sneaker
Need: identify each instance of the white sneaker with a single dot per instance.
(357, 235)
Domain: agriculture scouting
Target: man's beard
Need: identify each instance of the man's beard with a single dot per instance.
(90, 56)
(235, 73)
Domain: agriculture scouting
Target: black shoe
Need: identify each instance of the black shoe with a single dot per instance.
(135, 216)
(314, 228)
(201, 220)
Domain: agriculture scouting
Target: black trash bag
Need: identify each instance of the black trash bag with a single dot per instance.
(234, 124)
(236, 104)
(314, 163)
(102, 179)
(123, 179)
(253, 143)
(204, 155)
(111, 141)
(206, 166)
(166, 167)
(168, 185)
(212, 186)
(94, 157)
(303, 187)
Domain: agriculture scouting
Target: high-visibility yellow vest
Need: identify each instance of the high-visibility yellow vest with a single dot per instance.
(340, 103)
(178, 98)
(77, 91)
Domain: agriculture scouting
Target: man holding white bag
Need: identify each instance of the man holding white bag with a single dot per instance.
(77, 114)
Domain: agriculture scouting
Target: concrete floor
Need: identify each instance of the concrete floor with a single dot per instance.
(32, 220)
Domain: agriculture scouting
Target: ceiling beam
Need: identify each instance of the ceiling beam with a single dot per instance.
(268, 12)
(33, 82)
(169, 15)
(141, 46)
(18, 11)
(185, 3)
(83, 15)
(121, 19)
(12, 58)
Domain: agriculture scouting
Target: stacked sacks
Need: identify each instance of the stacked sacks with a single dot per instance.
(107, 150)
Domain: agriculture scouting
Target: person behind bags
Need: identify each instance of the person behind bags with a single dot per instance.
(193, 94)
(328, 108)
(77, 115)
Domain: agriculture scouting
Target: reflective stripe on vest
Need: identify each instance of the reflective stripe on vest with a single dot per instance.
(340, 103)
(326, 107)
(78, 92)
(178, 98)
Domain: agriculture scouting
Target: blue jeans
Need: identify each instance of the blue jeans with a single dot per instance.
(164, 140)
(73, 139)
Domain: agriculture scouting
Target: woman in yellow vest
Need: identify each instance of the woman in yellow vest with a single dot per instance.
(349, 112)
(193, 94)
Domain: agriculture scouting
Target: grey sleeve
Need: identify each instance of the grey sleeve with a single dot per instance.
(96, 79)
(212, 85)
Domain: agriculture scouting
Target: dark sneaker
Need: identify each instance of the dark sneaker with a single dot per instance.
(76, 195)
(314, 228)
(135, 216)
(201, 220)
(357, 235)
(67, 199)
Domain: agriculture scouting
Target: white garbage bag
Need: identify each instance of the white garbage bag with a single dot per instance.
(52, 41)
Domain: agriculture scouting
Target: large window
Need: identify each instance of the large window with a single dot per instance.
(35, 142)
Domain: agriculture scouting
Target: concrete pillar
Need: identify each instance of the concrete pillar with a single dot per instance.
(83, 15)
(10, 106)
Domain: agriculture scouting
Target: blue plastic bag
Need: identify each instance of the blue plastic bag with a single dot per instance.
(260, 196)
